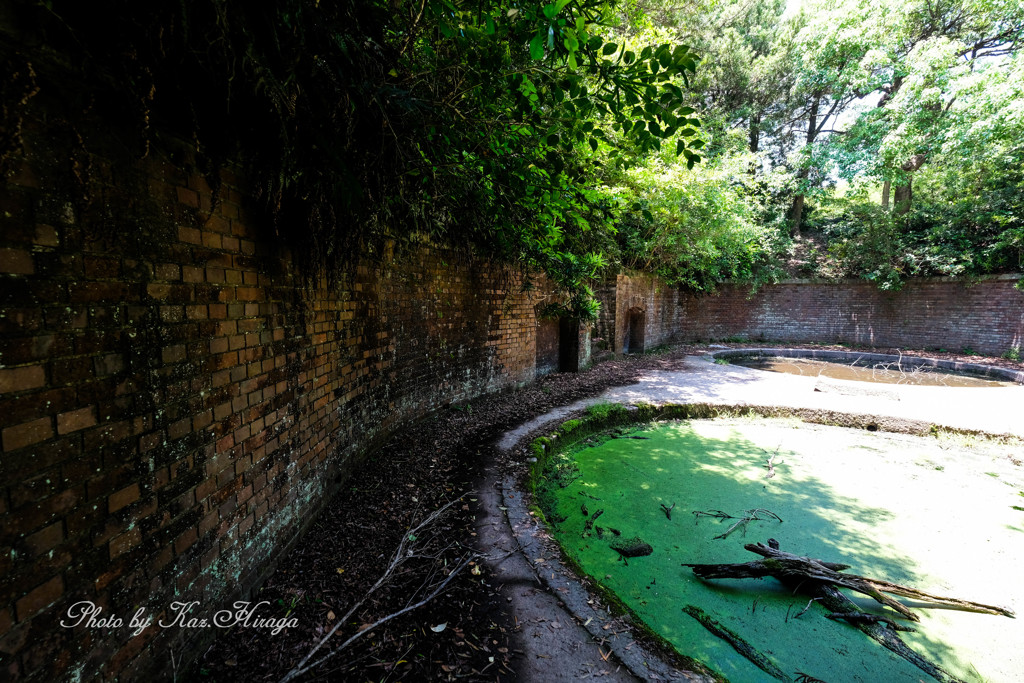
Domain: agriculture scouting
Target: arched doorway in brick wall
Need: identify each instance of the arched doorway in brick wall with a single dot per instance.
(636, 327)
(568, 345)
(558, 345)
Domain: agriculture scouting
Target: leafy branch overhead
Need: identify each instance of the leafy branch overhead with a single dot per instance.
(474, 123)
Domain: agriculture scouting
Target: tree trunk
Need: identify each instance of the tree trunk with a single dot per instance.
(755, 132)
(796, 211)
(902, 198)
(885, 194)
(755, 139)
(903, 195)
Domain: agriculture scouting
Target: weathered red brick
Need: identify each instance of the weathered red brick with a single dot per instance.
(46, 236)
(90, 292)
(76, 419)
(122, 498)
(180, 428)
(185, 541)
(107, 434)
(108, 364)
(27, 433)
(101, 267)
(190, 235)
(40, 598)
(13, 380)
(16, 262)
(125, 542)
(167, 271)
(173, 354)
(188, 197)
(45, 539)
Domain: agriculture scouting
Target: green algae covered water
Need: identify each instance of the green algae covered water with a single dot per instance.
(940, 515)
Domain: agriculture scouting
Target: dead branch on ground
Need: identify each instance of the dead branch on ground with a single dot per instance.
(409, 547)
(590, 522)
(865, 618)
(822, 580)
(806, 607)
(771, 465)
(834, 600)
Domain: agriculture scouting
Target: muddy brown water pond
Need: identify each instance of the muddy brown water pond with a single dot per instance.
(895, 372)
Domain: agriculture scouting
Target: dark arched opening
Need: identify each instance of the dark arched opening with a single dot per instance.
(636, 326)
(568, 345)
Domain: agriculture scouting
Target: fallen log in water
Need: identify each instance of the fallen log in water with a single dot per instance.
(789, 567)
(741, 646)
(833, 599)
(823, 580)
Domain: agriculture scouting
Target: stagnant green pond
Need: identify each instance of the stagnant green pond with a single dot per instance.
(944, 515)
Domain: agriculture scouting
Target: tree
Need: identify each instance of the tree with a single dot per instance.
(831, 51)
(926, 59)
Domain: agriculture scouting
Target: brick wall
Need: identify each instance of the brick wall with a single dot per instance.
(985, 315)
(178, 401)
(603, 333)
(658, 303)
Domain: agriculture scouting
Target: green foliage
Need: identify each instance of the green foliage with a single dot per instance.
(569, 426)
(946, 135)
(697, 228)
(561, 136)
(359, 121)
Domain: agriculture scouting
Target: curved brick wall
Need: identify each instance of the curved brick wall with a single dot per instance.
(177, 402)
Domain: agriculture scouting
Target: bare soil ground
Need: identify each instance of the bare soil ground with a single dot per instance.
(346, 550)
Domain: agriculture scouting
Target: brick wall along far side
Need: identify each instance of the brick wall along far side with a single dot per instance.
(986, 315)
(177, 402)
